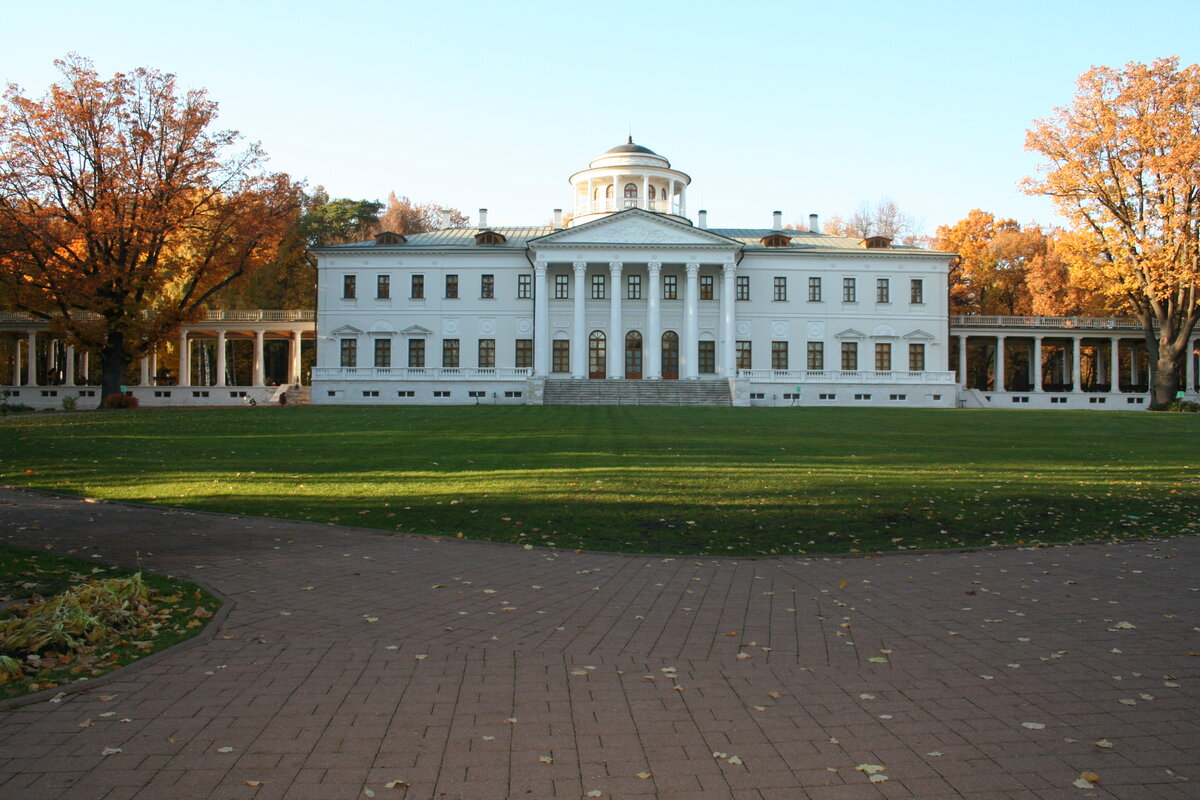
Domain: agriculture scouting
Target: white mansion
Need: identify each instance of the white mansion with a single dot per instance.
(628, 302)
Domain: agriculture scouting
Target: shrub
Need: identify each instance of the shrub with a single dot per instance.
(119, 400)
(69, 402)
(1184, 406)
(15, 408)
(95, 612)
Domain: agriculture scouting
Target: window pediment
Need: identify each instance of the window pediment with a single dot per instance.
(919, 335)
(850, 333)
(347, 330)
(416, 330)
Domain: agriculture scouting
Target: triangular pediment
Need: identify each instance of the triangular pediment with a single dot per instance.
(347, 330)
(416, 330)
(918, 334)
(850, 333)
(634, 227)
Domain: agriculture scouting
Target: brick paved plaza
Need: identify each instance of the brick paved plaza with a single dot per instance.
(355, 664)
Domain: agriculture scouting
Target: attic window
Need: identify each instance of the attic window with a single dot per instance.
(877, 242)
(387, 237)
(489, 237)
(776, 240)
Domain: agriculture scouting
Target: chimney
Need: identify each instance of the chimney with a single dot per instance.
(703, 218)
(445, 218)
(777, 222)
(813, 225)
(483, 218)
(557, 218)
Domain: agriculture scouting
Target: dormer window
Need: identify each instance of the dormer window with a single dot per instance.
(489, 237)
(388, 237)
(877, 242)
(776, 240)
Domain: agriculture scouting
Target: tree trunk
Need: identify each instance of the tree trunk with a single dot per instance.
(113, 363)
(1164, 382)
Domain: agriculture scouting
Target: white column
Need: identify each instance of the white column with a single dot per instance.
(616, 203)
(259, 371)
(154, 366)
(294, 372)
(689, 355)
(1114, 369)
(185, 360)
(69, 370)
(962, 361)
(220, 381)
(652, 345)
(84, 367)
(671, 205)
(579, 343)
(16, 362)
(31, 359)
(616, 333)
(541, 321)
(1036, 364)
(1076, 371)
(144, 371)
(644, 202)
(999, 382)
(1188, 367)
(728, 327)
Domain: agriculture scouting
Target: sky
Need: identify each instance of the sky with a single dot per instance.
(801, 107)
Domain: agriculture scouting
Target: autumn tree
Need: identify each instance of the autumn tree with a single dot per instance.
(404, 216)
(884, 218)
(1124, 169)
(122, 211)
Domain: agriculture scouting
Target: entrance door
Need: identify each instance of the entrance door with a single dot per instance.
(670, 356)
(633, 355)
(597, 363)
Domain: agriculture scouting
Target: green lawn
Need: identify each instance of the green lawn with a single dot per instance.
(658, 480)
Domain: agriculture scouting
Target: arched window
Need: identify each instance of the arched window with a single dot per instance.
(596, 193)
(608, 192)
(652, 193)
(631, 191)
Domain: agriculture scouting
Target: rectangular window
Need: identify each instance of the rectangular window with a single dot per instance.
(487, 286)
(916, 357)
(597, 287)
(416, 352)
(916, 288)
(883, 290)
(670, 287)
(383, 352)
(708, 357)
(406, 393)
(383, 287)
(849, 291)
(743, 288)
(780, 288)
(743, 355)
(524, 358)
(883, 357)
(349, 353)
(418, 287)
(816, 355)
(451, 287)
(779, 355)
(349, 287)
(370, 393)
(524, 287)
(560, 360)
(814, 290)
(633, 287)
(706, 287)
(849, 355)
(441, 394)
(562, 287)
(450, 353)
(487, 353)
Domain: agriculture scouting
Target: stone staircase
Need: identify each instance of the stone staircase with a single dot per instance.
(636, 393)
(298, 396)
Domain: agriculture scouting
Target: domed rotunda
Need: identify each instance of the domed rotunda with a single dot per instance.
(629, 176)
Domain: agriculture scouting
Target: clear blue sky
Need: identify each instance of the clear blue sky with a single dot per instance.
(803, 107)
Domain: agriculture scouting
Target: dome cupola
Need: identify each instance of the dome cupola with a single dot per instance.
(628, 176)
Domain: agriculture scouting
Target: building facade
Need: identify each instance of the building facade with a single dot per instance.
(631, 290)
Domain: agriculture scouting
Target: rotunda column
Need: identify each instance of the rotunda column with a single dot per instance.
(652, 347)
(1114, 368)
(998, 382)
(1076, 367)
(294, 371)
(541, 321)
(579, 352)
(69, 367)
(16, 361)
(185, 360)
(259, 371)
(962, 361)
(616, 333)
(1036, 364)
(144, 371)
(644, 200)
(691, 324)
(31, 358)
(616, 198)
(220, 359)
(728, 322)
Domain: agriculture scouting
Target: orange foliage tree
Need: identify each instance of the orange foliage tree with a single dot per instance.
(122, 212)
(1124, 169)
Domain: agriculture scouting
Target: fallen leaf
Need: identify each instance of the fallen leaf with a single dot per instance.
(865, 696)
(1125, 626)
(645, 775)
(595, 793)
(395, 784)
(733, 760)
(110, 751)
(1104, 743)
(58, 698)
(253, 783)
(87, 723)
(546, 759)
(774, 695)
(1126, 701)
(224, 749)
(1090, 777)
(760, 708)
(368, 793)
(870, 769)
(1033, 726)
(934, 753)
(878, 778)
(743, 656)
(877, 660)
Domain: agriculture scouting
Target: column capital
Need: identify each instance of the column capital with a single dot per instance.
(540, 266)
(693, 268)
(729, 268)
(615, 267)
(653, 266)
(579, 266)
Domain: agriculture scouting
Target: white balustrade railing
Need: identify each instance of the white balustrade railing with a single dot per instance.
(261, 315)
(827, 376)
(1079, 323)
(421, 373)
(607, 206)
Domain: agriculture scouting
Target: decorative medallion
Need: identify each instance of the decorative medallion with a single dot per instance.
(524, 325)
(743, 328)
(449, 326)
(779, 329)
(816, 330)
(487, 326)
